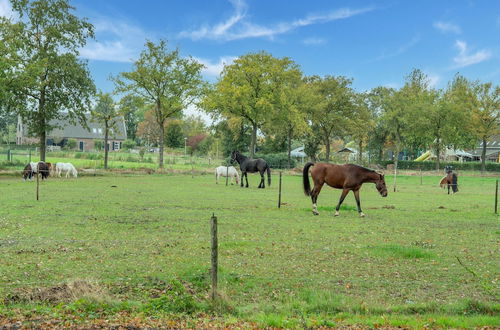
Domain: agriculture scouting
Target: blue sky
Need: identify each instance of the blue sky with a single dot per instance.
(374, 42)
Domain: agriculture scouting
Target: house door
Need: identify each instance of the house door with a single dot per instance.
(81, 145)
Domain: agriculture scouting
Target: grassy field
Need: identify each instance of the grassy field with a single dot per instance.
(138, 247)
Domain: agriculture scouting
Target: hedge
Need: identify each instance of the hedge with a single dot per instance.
(429, 165)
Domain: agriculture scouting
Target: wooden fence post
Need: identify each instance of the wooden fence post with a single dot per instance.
(420, 176)
(496, 198)
(227, 173)
(279, 193)
(214, 256)
(37, 184)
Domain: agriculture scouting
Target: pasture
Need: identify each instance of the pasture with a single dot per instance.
(141, 245)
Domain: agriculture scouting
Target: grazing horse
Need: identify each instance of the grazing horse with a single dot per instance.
(450, 180)
(44, 169)
(66, 167)
(28, 172)
(33, 168)
(248, 165)
(346, 177)
(229, 171)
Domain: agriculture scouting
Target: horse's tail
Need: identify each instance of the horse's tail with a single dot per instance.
(305, 179)
(454, 183)
(268, 175)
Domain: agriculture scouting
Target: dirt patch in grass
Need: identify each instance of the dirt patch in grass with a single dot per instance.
(66, 292)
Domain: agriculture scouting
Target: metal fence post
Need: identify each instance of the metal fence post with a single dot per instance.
(214, 256)
(496, 198)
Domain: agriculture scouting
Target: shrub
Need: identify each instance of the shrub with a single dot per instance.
(429, 166)
(128, 144)
(278, 160)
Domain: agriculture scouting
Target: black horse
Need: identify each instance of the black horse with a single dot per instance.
(248, 165)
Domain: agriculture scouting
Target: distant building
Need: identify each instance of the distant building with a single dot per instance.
(492, 149)
(84, 138)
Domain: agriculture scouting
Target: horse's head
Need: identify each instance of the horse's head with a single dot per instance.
(380, 184)
(233, 156)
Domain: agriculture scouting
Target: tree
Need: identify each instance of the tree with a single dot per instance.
(291, 99)
(361, 123)
(174, 138)
(194, 142)
(380, 134)
(105, 112)
(166, 80)
(485, 114)
(331, 108)
(148, 130)
(130, 107)
(46, 76)
(246, 90)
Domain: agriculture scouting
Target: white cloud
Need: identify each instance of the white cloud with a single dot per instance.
(314, 41)
(464, 59)
(445, 27)
(433, 79)
(238, 25)
(117, 41)
(6, 10)
(214, 69)
(401, 50)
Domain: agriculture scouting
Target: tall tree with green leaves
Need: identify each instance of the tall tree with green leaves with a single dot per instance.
(292, 98)
(246, 90)
(165, 79)
(361, 123)
(48, 80)
(130, 107)
(105, 112)
(485, 114)
(332, 107)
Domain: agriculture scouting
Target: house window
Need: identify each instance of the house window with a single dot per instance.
(94, 130)
(116, 146)
(100, 130)
(81, 145)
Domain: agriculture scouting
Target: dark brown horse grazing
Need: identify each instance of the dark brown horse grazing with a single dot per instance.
(450, 180)
(346, 177)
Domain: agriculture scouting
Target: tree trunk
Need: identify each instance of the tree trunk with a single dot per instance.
(43, 137)
(41, 125)
(396, 158)
(106, 147)
(327, 145)
(360, 152)
(253, 142)
(161, 144)
(483, 157)
(438, 156)
(289, 142)
(380, 153)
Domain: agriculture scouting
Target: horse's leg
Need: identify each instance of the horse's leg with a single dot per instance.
(262, 182)
(356, 195)
(242, 177)
(448, 188)
(246, 178)
(342, 197)
(314, 196)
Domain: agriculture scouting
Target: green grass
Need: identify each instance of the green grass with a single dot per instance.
(144, 241)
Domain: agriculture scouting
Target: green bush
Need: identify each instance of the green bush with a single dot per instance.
(278, 160)
(429, 166)
(128, 144)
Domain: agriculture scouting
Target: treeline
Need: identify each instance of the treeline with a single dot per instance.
(259, 103)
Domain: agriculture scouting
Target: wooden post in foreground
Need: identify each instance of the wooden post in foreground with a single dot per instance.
(37, 183)
(279, 194)
(496, 198)
(227, 173)
(214, 256)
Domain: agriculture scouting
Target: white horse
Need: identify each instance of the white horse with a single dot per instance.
(230, 171)
(66, 167)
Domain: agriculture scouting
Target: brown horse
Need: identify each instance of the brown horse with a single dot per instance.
(346, 177)
(451, 181)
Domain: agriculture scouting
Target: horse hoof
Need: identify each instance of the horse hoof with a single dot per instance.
(362, 215)
(315, 213)
(336, 214)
